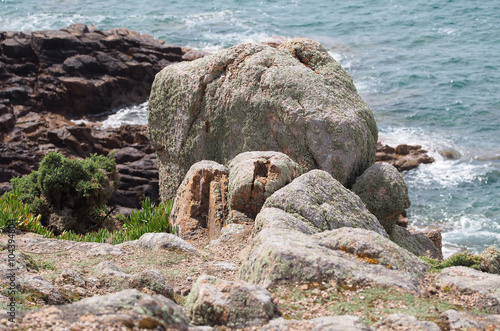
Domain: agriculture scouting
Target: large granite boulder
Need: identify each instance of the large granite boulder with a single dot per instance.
(254, 176)
(214, 301)
(295, 99)
(311, 230)
(384, 192)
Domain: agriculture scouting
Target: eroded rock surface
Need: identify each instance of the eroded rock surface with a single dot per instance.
(403, 157)
(330, 323)
(490, 260)
(254, 176)
(295, 99)
(314, 229)
(200, 206)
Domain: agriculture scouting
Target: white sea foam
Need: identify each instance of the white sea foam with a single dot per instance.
(137, 114)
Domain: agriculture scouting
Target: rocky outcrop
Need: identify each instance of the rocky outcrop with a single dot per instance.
(295, 99)
(460, 320)
(214, 301)
(200, 206)
(128, 308)
(417, 243)
(403, 157)
(383, 191)
(325, 232)
(157, 241)
(254, 176)
(151, 280)
(404, 322)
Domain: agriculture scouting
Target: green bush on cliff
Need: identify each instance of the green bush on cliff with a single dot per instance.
(70, 194)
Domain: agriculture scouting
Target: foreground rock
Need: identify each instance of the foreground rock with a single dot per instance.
(490, 260)
(129, 308)
(295, 99)
(404, 322)
(469, 282)
(215, 302)
(254, 176)
(403, 157)
(322, 233)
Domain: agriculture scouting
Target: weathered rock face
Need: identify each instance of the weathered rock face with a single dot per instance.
(322, 202)
(383, 191)
(315, 229)
(329, 323)
(404, 322)
(254, 176)
(238, 304)
(201, 203)
(286, 248)
(295, 99)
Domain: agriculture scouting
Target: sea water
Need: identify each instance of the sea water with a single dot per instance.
(429, 70)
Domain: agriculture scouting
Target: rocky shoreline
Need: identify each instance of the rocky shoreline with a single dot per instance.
(49, 78)
(308, 235)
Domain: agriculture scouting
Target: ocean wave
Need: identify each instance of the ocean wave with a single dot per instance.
(137, 114)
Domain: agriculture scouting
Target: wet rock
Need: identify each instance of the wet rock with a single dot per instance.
(470, 281)
(152, 280)
(403, 157)
(461, 320)
(404, 322)
(128, 308)
(214, 301)
(254, 176)
(490, 260)
(329, 323)
(200, 206)
(384, 192)
(294, 99)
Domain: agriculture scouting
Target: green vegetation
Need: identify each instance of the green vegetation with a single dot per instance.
(69, 194)
(464, 259)
(76, 191)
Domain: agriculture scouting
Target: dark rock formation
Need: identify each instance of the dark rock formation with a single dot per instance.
(80, 70)
(403, 157)
(50, 77)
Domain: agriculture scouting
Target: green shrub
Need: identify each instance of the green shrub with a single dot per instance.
(150, 218)
(70, 194)
(464, 259)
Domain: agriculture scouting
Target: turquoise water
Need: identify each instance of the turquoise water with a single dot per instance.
(430, 71)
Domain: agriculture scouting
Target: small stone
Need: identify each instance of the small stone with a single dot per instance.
(490, 260)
